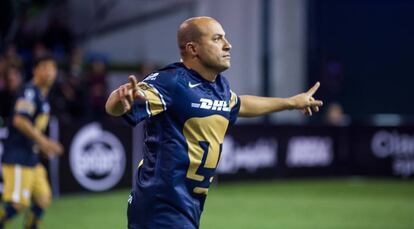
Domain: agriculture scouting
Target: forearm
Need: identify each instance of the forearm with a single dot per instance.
(26, 127)
(252, 106)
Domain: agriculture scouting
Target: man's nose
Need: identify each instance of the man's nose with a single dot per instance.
(227, 45)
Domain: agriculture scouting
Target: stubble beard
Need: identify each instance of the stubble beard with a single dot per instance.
(217, 66)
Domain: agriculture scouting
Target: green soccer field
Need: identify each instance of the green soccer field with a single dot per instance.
(339, 203)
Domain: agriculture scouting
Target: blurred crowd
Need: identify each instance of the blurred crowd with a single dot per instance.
(82, 86)
(80, 90)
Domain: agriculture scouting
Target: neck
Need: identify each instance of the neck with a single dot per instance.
(206, 73)
(43, 89)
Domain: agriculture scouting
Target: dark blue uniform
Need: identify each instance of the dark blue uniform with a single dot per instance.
(186, 120)
(24, 177)
(18, 148)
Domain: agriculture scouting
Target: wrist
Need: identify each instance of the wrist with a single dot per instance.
(291, 103)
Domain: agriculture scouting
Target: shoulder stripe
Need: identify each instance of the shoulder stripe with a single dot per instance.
(161, 98)
(25, 106)
(155, 103)
(233, 99)
(147, 108)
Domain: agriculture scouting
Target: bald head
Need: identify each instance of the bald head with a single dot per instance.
(204, 46)
(191, 30)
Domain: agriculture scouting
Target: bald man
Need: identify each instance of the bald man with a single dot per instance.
(187, 108)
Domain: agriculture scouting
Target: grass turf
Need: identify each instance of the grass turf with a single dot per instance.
(319, 204)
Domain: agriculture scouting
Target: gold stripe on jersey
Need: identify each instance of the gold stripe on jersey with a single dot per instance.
(200, 190)
(233, 99)
(25, 106)
(154, 98)
(41, 121)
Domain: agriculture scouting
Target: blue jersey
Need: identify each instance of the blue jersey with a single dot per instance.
(18, 148)
(186, 120)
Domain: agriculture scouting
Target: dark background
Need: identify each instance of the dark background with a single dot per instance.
(364, 51)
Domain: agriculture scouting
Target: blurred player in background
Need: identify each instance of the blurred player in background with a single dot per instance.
(25, 178)
(188, 107)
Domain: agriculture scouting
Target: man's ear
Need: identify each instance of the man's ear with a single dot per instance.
(191, 48)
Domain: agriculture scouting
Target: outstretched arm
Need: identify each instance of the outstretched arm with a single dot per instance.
(251, 106)
(120, 101)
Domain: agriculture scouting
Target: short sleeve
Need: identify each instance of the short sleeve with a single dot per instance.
(158, 89)
(26, 103)
(234, 107)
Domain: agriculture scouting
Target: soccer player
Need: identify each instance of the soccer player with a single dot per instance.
(187, 108)
(25, 179)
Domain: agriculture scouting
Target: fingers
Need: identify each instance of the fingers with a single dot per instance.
(133, 82)
(315, 106)
(55, 147)
(125, 97)
(51, 148)
(135, 89)
(130, 92)
(128, 95)
(133, 85)
(313, 89)
(126, 105)
(308, 111)
(139, 95)
(316, 103)
(55, 150)
(58, 148)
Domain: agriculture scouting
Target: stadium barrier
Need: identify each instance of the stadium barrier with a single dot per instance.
(101, 156)
(256, 151)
